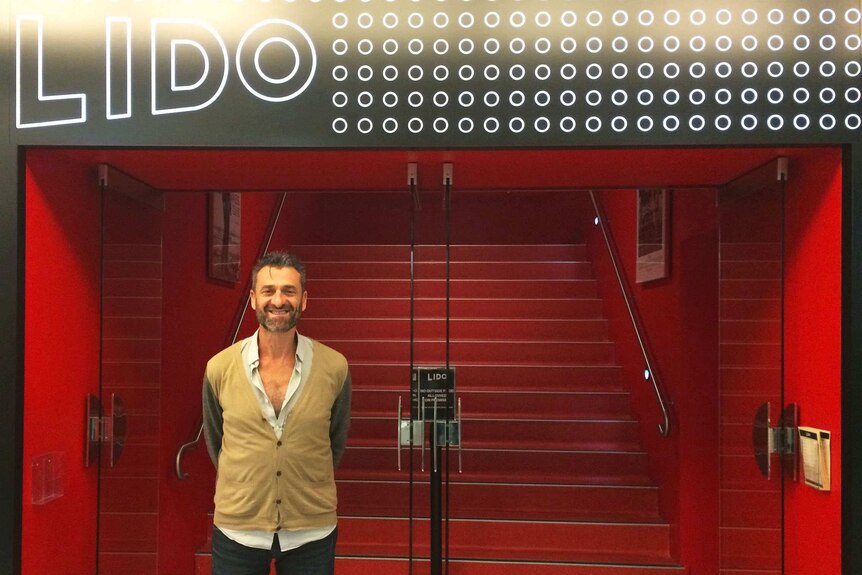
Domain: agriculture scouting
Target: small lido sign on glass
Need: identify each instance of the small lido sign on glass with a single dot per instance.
(432, 393)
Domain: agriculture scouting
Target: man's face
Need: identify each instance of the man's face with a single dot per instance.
(278, 299)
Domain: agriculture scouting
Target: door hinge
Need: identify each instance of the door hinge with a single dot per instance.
(104, 429)
(778, 440)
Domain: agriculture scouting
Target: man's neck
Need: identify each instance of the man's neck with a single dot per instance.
(276, 346)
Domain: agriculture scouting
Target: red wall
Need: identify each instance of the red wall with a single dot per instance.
(61, 357)
(812, 355)
(679, 315)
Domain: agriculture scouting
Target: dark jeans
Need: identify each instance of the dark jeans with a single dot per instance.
(231, 558)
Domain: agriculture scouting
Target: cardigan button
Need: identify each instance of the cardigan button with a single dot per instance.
(278, 501)
(279, 444)
(278, 473)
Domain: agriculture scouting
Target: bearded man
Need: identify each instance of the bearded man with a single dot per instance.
(276, 410)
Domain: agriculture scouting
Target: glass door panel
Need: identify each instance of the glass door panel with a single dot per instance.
(429, 401)
(750, 363)
(356, 248)
(131, 379)
(550, 468)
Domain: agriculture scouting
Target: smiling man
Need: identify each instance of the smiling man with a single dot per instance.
(276, 412)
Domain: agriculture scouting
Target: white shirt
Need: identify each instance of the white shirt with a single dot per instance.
(251, 360)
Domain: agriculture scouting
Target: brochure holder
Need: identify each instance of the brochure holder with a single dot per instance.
(816, 457)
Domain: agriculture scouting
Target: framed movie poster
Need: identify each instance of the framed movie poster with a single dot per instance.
(223, 245)
(653, 257)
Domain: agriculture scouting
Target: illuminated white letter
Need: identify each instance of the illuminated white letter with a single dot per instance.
(118, 65)
(41, 110)
(175, 84)
(170, 93)
(276, 46)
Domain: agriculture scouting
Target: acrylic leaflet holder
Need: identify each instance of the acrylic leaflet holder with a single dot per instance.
(814, 445)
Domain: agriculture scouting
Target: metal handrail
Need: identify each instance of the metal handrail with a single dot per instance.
(649, 373)
(178, 464)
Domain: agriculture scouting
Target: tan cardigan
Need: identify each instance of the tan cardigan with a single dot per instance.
(267, 484)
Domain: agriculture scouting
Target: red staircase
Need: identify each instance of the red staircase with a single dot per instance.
(554, 479)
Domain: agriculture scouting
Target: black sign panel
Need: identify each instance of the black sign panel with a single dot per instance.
(437, 74)
(434, 388)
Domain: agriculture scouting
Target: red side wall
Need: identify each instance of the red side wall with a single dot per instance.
(812, 353)
(680, 317)
(61, 357)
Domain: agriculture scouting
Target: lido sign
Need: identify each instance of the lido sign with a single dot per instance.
(457, 73)
(189, 67)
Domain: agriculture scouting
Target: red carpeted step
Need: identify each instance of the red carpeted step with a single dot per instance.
(741, 331)
(765, 251)
(460, 288)
(750, 354)
(504, 465)
(473, 376)
(509, 404)
(737, 409)
(398, 566)
(740, 379)
(627, 503)
(345, 565)
(504, 252)
(499, 352)
(573, 541)
(363, 306)
(324, 329)
(426, 252)
(751, 548)
(513, 433)
(352, 252)
(741, 309)
(740, 471)
(750, 288)
(203, 564)
(386, 270)
(506, 288)
(750, 269)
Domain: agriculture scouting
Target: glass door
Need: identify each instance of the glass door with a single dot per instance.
(125, 419)
(548, 467)
(752, 413)
(356, 246)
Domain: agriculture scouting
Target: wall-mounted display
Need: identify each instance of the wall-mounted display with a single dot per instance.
(652, 235)
(223, 245)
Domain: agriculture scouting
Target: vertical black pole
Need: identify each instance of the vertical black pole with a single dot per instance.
(781, 404)
(414, 205)
(436, 512)
(449, 396)
(439, 439)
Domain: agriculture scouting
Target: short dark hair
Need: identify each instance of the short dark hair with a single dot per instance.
(278, 260)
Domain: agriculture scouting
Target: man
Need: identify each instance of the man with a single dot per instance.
(276, 411)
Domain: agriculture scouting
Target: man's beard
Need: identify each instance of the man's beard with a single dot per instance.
(279, 324)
